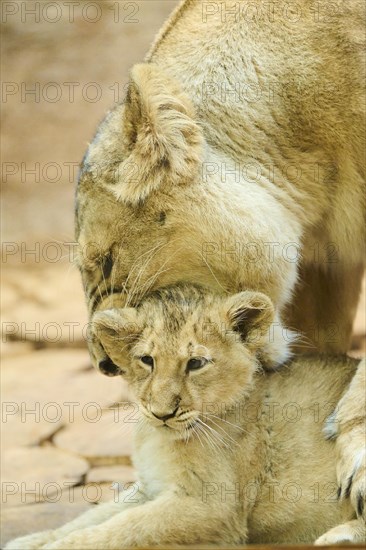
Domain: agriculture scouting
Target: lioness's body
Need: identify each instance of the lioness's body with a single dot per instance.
(277, 111)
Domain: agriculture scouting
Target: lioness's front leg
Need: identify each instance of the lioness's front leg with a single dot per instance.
(324, 306)
(348, 426)
(97, 515)
(170, 519)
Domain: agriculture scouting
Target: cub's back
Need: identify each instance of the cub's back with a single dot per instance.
(300, 486)
(314, 378)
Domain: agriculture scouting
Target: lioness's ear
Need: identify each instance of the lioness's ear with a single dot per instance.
(114, 329)
(250, 314)
(161, 136)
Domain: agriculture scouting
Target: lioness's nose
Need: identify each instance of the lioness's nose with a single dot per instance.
(165, 417)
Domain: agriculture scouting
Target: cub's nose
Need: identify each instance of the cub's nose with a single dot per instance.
(165, 417)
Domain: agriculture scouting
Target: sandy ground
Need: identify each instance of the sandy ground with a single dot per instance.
(61, 71)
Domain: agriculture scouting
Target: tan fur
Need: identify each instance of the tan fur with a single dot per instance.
(242, 457)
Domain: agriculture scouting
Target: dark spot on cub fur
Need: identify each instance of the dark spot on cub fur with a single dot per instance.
(107, 266)
(162, 218)
(360, 505)
(347, 491)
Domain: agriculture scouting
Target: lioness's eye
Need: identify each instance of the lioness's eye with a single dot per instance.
(147, 360)
(196, 363)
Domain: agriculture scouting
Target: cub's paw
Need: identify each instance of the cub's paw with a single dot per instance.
(31, 542)
(350, 532)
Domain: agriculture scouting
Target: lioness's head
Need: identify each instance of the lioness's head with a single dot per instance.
(183, 348)
(150, 212)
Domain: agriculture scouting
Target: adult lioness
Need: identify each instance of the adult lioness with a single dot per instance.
(237, 162)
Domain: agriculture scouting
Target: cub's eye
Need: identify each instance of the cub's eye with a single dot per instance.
(196, 363)
(147, 360)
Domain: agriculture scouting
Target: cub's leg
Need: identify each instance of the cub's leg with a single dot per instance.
(353, 531)
(348, 425)
(324, 306)
(170, 519)
(97, 515)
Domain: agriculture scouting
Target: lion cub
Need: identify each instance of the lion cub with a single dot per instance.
(225, 452)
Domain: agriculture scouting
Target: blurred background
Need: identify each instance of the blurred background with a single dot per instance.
(64, 64)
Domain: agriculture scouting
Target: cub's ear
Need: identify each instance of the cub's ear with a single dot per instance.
(114, 329)
(250, 314)
(161, 137)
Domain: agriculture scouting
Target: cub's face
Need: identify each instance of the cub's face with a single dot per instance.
(185, 352)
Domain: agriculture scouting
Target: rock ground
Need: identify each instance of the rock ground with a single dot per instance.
(59, 425)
